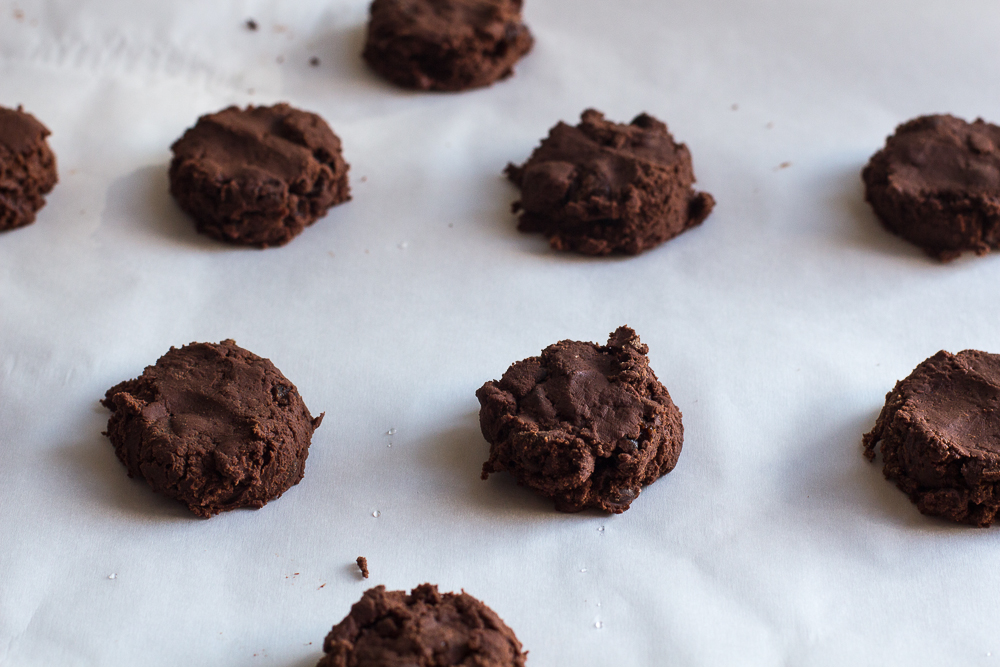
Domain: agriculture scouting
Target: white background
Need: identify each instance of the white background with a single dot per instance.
(778, 326)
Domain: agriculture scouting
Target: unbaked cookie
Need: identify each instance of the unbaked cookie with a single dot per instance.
(937, 185)
(601, 188)
(27, 168)
(939, 434)
(258, 176)
(586, 425)
(213, 426)
(445, 44)
(425, 628)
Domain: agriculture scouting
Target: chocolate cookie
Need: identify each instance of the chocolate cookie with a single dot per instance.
(258, 176)
(601, 188)
(940, 436)
(584, 424)
(214, 426)
(27, 168)
(445, 44)
(426, 628)
(937, 185)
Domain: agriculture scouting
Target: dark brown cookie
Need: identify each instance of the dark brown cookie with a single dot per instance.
(940, 436)
(425, 628)
(937, 185)
(27, 168)
(445, 44)
(258, 176)
(601, 188)
(213, 426)
(584, 424)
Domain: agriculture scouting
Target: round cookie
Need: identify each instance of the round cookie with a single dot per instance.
(445, 44)
(258, 176)
(939, 434)
(601, 187)
(391, 628)
(27, 168)
(937, 185)
(213, 426)
(583, 424)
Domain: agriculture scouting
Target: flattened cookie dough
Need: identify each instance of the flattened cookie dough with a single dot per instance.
(445, 45)
(583, 424)
(258, 176)
(937, 185)
(213, 426)
(426, 628)
(939, 434)
(601, 188)
(27, 168)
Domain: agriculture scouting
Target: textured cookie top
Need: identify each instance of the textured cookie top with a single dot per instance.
(586, 425)
(446, 20)
(954, 400)
(212, 425)
(446, 45)
(20, 132)
(942, 154)
(585, 388)
(276, 143)
(597, 157)
(426, 628)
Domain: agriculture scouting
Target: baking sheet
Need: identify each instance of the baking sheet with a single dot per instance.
(777, 326)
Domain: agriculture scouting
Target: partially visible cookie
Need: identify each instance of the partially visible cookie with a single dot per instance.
(424, 628)
(937, 185)
(213, 426)
(939, 434)
(27, 168)
(601, 187)
(445, 45)
(258, 176)
(586, 425)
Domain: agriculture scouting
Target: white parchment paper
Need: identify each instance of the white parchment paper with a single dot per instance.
(777, 326)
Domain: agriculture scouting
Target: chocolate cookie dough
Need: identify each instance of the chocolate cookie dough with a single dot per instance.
(258, 176)
(940, 436)
(937, 185)
(425, 628)
(27, 168)
(445, 44)
(601, 188)
(214, 426)
(584, 424)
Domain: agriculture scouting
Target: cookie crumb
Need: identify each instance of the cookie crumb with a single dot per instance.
(251, 25)
(363, 566)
